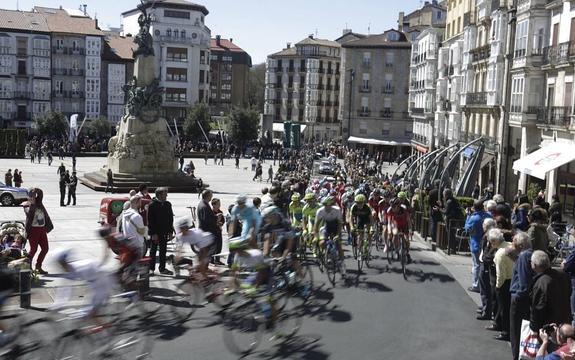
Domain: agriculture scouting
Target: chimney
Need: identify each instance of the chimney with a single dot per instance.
(85, 6)
(288, 45)
(310, 36)
(231, 40)
(218, 39)
(400, 21)
(346, 31)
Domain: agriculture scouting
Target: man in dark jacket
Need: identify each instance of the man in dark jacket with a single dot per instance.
(160, 228)
(207, 220)
(549, 294)
(62, 186)
(73, 182)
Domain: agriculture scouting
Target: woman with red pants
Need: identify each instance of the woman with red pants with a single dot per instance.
(38, 225)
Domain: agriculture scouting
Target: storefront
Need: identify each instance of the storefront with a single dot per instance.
(395, 148)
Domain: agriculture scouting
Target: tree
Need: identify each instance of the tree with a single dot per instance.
(257, 86)
(244, 126)
(53, 125)
(198, 114)
(99, 128)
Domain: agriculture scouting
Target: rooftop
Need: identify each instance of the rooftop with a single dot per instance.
(379, 40)
(119, 47)
(62, 21)
(310, 40)
(225, 45)
(172, 4)
(22, 20)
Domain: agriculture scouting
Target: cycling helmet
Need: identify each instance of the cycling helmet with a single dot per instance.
(401, 195)
(328, 200)
(270, 210)
(183, 223)
(241, 199)
(295, 197)
(360, 198)
(105, 231)
(323, 193)
(238, 243)
(309, 197)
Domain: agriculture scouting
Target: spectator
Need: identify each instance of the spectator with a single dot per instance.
(181, 161)
(270, 174)
(519, 217)
(206, 218)
(8, 178)
(160, 229)
(132, 223)
(259, 172)
(568, 266)
(538, 229)
(555, 209)
(237, 161)
(62, 185)
(254, 163)
(474, 226)
(73, 182)
(452, 211)
(476, 191)
(257, 202)
(519, 289)
(61, 169)
(540, 199)
(504, 273)
(517, 197)
(502, 208)
(490, 206)
(486, 267)
(216, 208)
(109, 181)
(38, 226)
(143, 192)
(549, 294)
(564, 337)
(17, 178)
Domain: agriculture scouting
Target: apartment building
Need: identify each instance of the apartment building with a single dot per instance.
(430, 14)
(422, 82)
(77, 44)
(24, 68)
(374, 83)
(302, 86)
(182, 49)
(448, 109)
(117, 70)
(229, 71)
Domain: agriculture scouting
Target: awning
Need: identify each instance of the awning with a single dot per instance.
(361, 140)
(486, 160)
(279, 127)
(548, 158)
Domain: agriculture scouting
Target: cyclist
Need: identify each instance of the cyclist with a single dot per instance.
(250, 219)
(399, 223)
(295, 210)
(309, 210)
(361, 219)
(384, 205)
(129, 252)
(194, 237)
(330, 219)
(276, 229)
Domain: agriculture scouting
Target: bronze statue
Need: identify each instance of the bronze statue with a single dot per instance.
(144, 38)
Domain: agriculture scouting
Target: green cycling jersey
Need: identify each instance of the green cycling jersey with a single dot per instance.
(296, 213)
(309, 212)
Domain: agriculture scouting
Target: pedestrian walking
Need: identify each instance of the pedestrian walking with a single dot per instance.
(132, 223)
(32, 154)
(8, 178)
(237, 161)
(38, 226)
(221, 158)
(49, 157)
(17, 178)
(182, 160)
(216, 158)
(73, 182)
(61, 169)
(160, 229)
(109, 181)
(259, 172)
(74, 161)
(62, 185)
(205, 159)
(270, 174)
(254, 163)
(143, 192)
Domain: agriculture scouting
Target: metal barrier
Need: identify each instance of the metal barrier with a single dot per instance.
(143, 279)
(25, 288)
(454, 225)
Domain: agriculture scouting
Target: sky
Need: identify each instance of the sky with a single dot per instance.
(261, 27)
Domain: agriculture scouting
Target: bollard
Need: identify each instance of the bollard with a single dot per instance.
(143, 279)
(25, 288)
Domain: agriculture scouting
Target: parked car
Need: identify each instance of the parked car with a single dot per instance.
(326, 168)
(10, 195)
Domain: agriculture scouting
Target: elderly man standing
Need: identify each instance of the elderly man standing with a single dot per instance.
(474, 226)
(519, 289)
(549, 294)
(207, 220)
(160, 228)
(504, 270)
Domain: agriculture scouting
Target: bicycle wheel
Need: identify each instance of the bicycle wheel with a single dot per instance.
(354, 249)
(330, 264)
(243, 327)
(360, 258)
(128, 340)
(403, 255)
(367, 253)
(74, 345)
(377, 241)
(180, 299)
(304, 284)
(289, 319)
(28, 340)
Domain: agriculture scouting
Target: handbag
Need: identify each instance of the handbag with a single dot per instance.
(528, 343)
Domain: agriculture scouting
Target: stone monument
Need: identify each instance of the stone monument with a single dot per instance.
(142, 151)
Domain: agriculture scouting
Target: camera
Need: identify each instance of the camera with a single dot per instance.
(549, 329)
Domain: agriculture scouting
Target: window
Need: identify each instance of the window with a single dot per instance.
(59, 43)
(364, 105)
(365, 82)
(385, 129)
(366, 58)
(75, 86)
(176, 74)
(177, 54)
(362, 128)
(521, 38)
(388, 83)
(227, 58)
(177, 14)
(517, 85)
(438, 15)
(392, 36)
(202, 73)
(168, 32)
(389, 57)
(176, 95)
(183, 34)
(59, 86)
(176, 33)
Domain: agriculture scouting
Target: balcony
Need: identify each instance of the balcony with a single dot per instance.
(415, 110)
(59, 71)
(329, 87)
(387, 90)
(478, 98)
(363, 113)
(291, 69)
(76, 94)
(41, 52)
(558, 54)
(59, 50)
(330, 71)
(386, 113)
(364, 89)
(366, 64)
(481, 53)
(76, 72)
(419, 139)
(554, 116)
(76, 51)
(179, 40)
(320, 86)
(22, 95)
(321, 70)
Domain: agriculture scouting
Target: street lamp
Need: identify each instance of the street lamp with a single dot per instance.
(351, 77)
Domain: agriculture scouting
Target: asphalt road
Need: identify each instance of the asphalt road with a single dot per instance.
(376, 315)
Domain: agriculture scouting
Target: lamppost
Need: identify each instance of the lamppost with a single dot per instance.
(351, 77)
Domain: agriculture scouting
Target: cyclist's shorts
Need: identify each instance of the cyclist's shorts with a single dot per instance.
(401, 230)
(324, 233)
(363, 224)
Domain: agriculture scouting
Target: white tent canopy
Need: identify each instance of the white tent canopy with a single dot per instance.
(361, 140)
(545, 159)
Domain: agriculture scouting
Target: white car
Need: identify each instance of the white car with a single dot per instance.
(10, 195)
